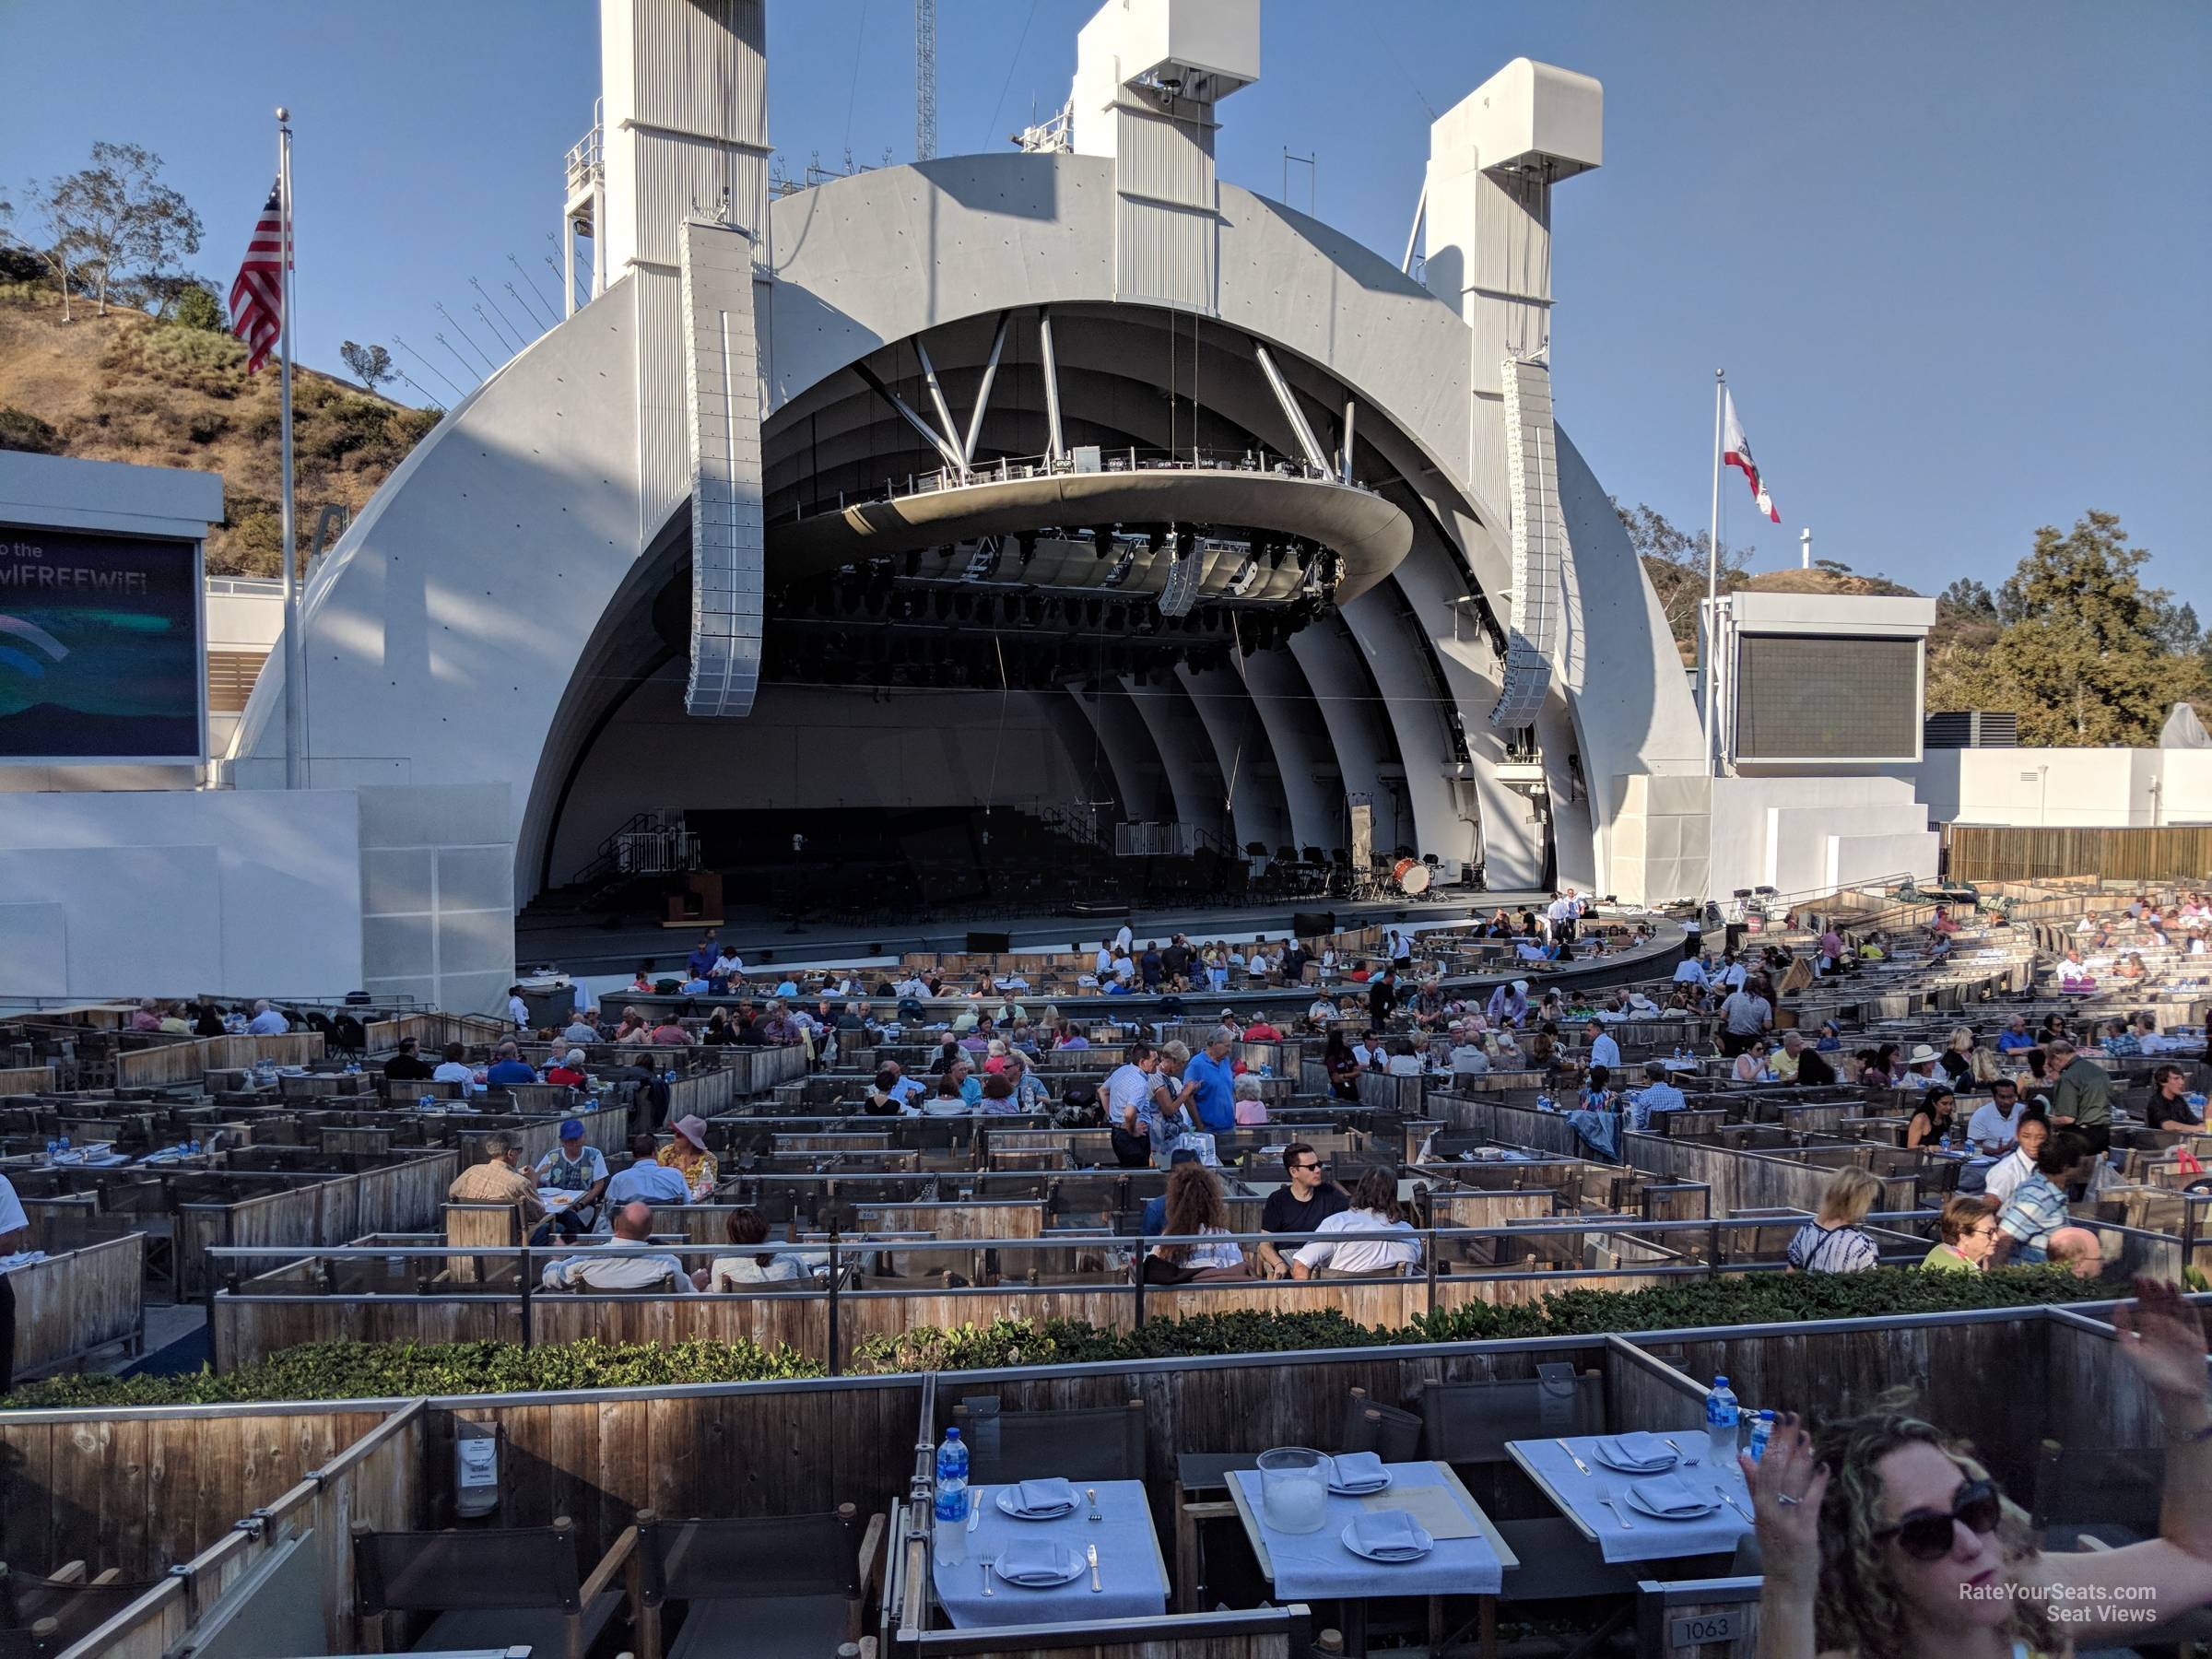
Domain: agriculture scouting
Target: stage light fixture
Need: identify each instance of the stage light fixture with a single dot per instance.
(1246, 579)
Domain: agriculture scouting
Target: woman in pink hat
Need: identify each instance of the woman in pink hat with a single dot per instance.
(687, 1154)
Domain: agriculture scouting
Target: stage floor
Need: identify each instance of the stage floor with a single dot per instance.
(583, 948)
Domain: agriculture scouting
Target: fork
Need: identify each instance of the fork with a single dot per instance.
(984, 1561)
(1619, 1514)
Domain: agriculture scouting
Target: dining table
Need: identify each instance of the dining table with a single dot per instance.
(1594, 1496)
(1132, 1575)
(1470, 1557)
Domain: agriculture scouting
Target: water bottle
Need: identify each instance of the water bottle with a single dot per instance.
(951, 1512)
(1544, 1103)
(1762, 1431)
(64, 1143)
(1266, 1070)
(52, 1147)
(1721, 1417)
(192, 1147)
(427, 1103)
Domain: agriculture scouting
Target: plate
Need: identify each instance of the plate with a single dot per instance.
(1420, 1532)
(1072, 1566)
(1637, 1504)
(1009, 1503)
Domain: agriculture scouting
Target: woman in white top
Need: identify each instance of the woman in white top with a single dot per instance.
(1195, 1209)
(2016, 1166)
(1751, 1064)
(1374, 1209)
(747, 1228)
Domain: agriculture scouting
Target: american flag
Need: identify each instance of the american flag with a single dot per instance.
(257, 297)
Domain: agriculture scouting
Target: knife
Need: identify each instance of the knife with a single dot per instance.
(1569, 1451)
(975, 1506)
(1092, 1551)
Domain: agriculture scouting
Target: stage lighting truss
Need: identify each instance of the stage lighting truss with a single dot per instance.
(1246, 579)
(982, 564)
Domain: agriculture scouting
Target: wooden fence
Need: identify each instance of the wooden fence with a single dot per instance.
(370, 1471)
(191, 1057)
(67, 1306)
(1984, 853)
(403, 1197)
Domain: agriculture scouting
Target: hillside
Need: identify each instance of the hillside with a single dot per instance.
(125, 387)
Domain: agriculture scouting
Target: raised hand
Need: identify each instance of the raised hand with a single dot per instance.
(1786, 1488)
(2162, 1335)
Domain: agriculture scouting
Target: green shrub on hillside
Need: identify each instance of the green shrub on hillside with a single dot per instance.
(24, 431)
(342, 1370)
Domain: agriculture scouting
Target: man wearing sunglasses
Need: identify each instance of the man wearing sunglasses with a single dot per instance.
(1299, 1207)
(1884, 1537)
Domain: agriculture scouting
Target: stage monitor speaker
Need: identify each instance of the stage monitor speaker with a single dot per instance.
(1306, 924)
(990, 943)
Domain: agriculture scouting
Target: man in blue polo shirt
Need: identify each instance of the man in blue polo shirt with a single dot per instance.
(1213, 1075)
(509, 1066)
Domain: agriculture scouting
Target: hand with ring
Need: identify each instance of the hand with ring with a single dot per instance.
(1787, 1487)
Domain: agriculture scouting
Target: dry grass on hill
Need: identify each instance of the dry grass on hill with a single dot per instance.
(125, 387)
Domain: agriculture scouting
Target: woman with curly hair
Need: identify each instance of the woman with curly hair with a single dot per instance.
(1883, 1538)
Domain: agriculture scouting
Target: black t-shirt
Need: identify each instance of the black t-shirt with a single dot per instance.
(1283, 1213)
(1381, 997)
(1176, 960)
(407, 1068)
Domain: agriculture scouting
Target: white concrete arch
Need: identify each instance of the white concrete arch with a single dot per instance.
(1242, 754)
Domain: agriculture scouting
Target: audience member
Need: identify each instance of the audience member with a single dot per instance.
(1210, 1080)
(1884, 1537)
(2083, 1101)
(408, 1066)
(2170, 1109)
(2035, 1226)
(498, 1181)
(646, 1179)
(1374, 1210)
(267, 1022)
(687, 1154)
(607, 1268)
(1195, 1209)
(1997, 1120)
(508, 1067)
(1931, 1120)
(1968, 1230)
(455, 1066)
(1836, 1240)
(574, 1167)
(1300, 1206)
(745, 1227)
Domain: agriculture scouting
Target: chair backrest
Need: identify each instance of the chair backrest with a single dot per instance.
(1470, 1422)
(768, 1556)
(1698, 1618)
(497, 1566)
(1091, 1444)
(1370, 1426)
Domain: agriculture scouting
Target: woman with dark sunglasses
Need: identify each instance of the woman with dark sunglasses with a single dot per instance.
(1884, 1537)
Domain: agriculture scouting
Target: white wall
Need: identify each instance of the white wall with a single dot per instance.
(437, 895)
(815, 747)
(1799, 834)
(2104, 788)
(180, 893)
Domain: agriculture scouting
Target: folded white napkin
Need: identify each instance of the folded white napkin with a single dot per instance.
(1042, 1497)
(1388, 1533)
(1035, 1561)
(1671, 1495)
(1636, 1451)
(1357, 1469)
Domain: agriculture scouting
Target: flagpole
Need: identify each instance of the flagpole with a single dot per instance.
(293, 746)
(1712, 585)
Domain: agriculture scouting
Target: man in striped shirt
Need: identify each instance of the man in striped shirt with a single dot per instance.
(2034, 1224)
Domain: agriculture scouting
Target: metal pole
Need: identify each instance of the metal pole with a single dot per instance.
(835, 1273)
(1056, 449)
(1713, 577)
(294, 729)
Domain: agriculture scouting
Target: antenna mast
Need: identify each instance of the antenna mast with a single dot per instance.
(925, 81)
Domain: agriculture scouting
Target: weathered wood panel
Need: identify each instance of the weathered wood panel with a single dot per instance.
(1983, 852)
(68, 1305)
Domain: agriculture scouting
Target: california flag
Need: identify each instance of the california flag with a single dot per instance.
(1736, 452)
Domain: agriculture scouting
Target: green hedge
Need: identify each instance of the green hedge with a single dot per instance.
(343, 1371)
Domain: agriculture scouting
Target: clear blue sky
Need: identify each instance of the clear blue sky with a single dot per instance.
(1954, 257)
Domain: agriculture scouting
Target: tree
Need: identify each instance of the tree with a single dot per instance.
(371, 365)
(2088, 654)
(50, 251)
(117, 221)
(1966, 598)
(1676, 562)
(198, 307)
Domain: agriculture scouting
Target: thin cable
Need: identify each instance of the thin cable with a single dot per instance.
(464, 332)
(428, 364)
(860, 35)
(530, 279)
(1006, 694)
(1012, 64)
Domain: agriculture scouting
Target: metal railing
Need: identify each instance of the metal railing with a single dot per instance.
(585, 164)
(843, 1251)
(1128, 459)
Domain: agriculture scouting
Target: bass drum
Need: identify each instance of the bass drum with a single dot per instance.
(1412, 876)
